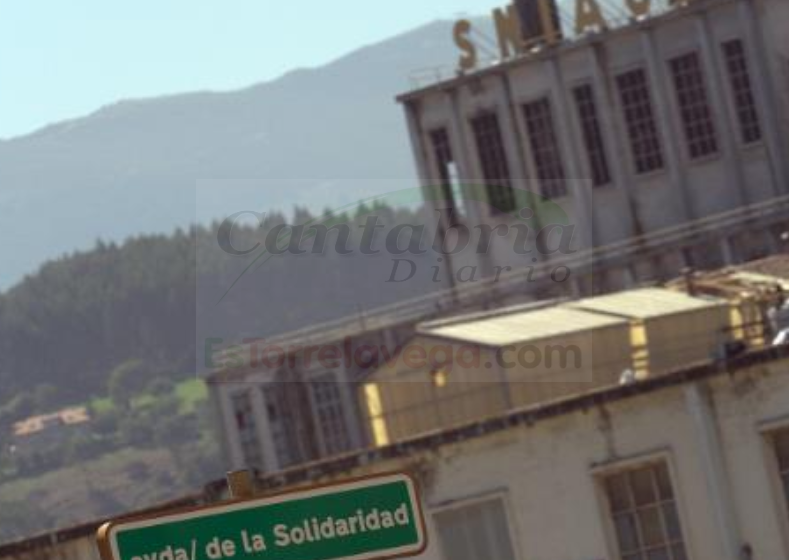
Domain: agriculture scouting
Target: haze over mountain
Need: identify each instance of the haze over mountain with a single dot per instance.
(319, 137)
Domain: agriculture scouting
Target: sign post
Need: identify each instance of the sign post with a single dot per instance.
(360, 519)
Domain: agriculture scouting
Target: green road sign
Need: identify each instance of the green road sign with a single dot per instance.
(374, 517)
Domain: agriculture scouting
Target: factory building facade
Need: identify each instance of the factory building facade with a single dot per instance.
(639, 118)
(693, 464)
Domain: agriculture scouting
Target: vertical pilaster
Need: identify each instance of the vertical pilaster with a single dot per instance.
(417, 137)
(723, 122)
(613, 131)
(579, 187)
(708, 444)
(666, 124)
(263, 427)
(350, 409)
(764, 92)
(469, 175)
(525, 161)
(233, 439)
(219, 421)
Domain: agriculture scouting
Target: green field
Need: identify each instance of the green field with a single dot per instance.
(123, 473)
(189, 392)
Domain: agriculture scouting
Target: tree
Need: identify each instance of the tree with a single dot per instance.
(176, 430)
(22, 518)
(125, 381)
(82, 447)
(45, 397)
(137, 471)
(160, 386)
(136, 431)
(106, 422)
(21, 406)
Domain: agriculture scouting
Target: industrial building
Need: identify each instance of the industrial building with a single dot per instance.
(632, 117)
(453, 370)
(690, 464)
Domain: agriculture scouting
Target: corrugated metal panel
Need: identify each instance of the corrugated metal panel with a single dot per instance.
(646, 303)
(515, 328)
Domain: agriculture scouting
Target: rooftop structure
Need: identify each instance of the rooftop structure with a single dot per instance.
(36, 424)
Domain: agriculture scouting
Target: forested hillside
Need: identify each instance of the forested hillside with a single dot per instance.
(119, 329)
(84, 314)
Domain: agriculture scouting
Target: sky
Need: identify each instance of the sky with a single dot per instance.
(60, 60)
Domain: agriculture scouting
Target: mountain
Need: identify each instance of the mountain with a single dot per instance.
(317, 137)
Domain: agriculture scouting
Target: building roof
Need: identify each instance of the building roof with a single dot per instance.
(41, 422)
(775, 266)
(646, 303)
(524, 326)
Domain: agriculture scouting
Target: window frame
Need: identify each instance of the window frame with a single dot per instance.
(580, 131)
(614, 76)
(288, 429)
(501, 495)
(563, 181)
(731, 95)
(471, 120)
(601, 472)
(249, 395)
(317, 383)
(678, 111)
(448, 189)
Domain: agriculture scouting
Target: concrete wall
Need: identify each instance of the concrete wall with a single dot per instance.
(548, 475)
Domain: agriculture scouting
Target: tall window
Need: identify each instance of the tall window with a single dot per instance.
(282, 423)
(740, 80)
(640, 121)
(493, 160)
(474, 532)
(644, 514)
(247, 429)
(329, 412)
(545, 147)
(694, 107)
(447, 170)
(592, 135)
